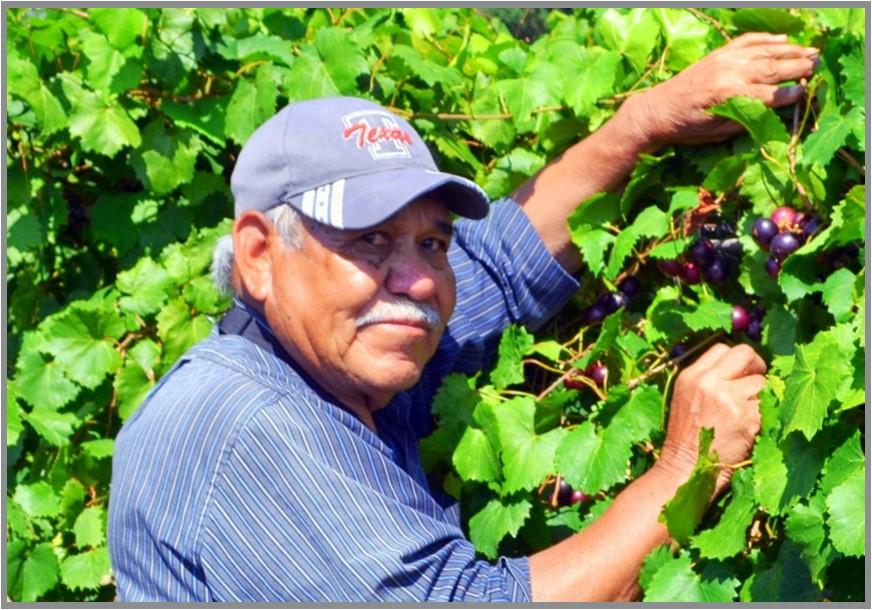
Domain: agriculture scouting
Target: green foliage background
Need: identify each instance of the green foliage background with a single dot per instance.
(122, 129)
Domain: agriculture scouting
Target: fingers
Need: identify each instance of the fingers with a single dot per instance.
(757, 38)
(787, 51)
(710, 357)
(778, 96)
(752, 385)
(770, 71)
(740, 361)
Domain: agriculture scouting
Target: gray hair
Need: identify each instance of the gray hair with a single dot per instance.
(286, 221)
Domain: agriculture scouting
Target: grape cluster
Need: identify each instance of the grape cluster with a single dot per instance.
(749, 322)
(782, 234)
(610, 302)
(712, 257)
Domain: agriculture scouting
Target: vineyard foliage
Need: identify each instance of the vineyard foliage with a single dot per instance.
(123, 125)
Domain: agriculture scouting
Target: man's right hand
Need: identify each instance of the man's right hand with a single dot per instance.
(717, 391)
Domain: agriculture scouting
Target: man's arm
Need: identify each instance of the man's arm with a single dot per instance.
(672, 112)
(602, 562)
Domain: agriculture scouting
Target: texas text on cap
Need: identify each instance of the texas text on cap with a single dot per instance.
(345, 162)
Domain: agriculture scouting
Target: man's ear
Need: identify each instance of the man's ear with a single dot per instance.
(252, 235)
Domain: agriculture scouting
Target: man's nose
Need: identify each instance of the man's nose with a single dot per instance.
(413, 277)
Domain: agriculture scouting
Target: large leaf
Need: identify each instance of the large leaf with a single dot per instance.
(686, 37)
(592, 460)
(251, 104)
(685, 510)
(31, 572)
(846, 506)
(760, 121)
(821, 146)
(675, 581)
(475, 458)
(509, 369)
(527, 457)
(727, 538)
(86, 570)
(633, 34)
(496, 521)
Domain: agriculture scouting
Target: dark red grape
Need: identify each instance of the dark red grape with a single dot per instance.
(564, 493)
(690, 273)
(577, 497)
(741, 318)
(754, 330)
(763, 231)
(630, 286)
(702, 252)
(717, 271)
(772, 266)
(784, 217)
(598, 373)
(669, 268)
(784, 244)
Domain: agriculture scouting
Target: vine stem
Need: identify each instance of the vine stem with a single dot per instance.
(711, 21)
(452, 116)
(672, 361)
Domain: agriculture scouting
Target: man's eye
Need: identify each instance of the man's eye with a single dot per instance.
(374, 239)
(435, 245)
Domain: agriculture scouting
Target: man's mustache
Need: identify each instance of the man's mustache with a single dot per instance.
(401, 309)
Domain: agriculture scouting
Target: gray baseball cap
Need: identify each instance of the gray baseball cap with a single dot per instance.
(345, 162)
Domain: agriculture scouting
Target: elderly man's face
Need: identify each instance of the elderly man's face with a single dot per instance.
(363, 311)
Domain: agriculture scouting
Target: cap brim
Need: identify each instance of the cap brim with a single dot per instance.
(363, 201)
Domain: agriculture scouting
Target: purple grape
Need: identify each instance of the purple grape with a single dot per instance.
(630, 286)
(669, 268)
(758, 312)
(564, 493)
(717, 271)
(784, 244)
(614, 301)
(690, 273)
(763, 231)
(595, 313)
(754, 330)
(741, 318)
(810, 225)
(678, 350)
(772, 266)
(731, 248)
(702, 252)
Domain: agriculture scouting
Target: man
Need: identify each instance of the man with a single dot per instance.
(278, 459)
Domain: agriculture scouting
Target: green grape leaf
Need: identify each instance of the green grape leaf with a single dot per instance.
(805, 526)
(24, 81)
(640, 416)
(90, 527)
(32, 573)
(633, 34)
(56, 428)
(527, 457)
(475, 458)
(251, 104)
(846, 460)
(41, 380)
(593, 79)
(655, 560)
(37, 499)
(331, 67)
(494, 522)
(525, 94)
(609, 331)
(820, 147)
(725, 175)
(760, 120)
(686, 37)
(669, 250)
(592, 461)
(838, 294)
(165, 161)
(651, 222)
(647, 174)
(429, 71)
(509, 369)
(102, 124)
(727, 538)
(712, 315)
(122, 26)
(145, 287)
(685, 510)
(788, 579)
(262, 46)
(854, 76)
(675, 581)
(14, 427)
(779, 330)
(104, 62)
(81, 339)
(204, 297)
(88, 570)
(776, 21)
(100, 448)
(784, 472)
(205, 116)
(818, 375)
(178, 329)
(593, 243)
(846, 508)
(455, 400)
(767, 183)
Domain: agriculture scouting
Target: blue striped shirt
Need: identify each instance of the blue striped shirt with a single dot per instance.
(235, 480)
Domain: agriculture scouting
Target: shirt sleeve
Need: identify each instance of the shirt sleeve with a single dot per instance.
(286, 522)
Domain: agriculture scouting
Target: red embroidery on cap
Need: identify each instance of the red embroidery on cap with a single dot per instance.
(367, 135)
